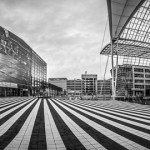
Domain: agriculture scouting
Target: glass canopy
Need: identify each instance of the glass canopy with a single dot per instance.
(134, 36)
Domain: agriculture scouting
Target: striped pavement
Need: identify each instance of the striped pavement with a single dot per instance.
(58, 124)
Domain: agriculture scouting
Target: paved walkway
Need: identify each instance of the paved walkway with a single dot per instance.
(53, 124)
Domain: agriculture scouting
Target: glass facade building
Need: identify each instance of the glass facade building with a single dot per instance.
(22, 71)
(38, 74)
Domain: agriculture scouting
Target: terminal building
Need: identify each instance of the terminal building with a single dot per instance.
(132, 80)
(129, 47)
(22, 71)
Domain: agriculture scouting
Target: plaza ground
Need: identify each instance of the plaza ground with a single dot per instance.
(58, 124)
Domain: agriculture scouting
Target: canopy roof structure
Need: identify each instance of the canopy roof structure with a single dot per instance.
(129, 23)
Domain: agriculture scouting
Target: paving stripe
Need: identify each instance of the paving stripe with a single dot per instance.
(14, 129)
(142, 138)
(140, 120)
(14, 108)
(4, 127)
(104, 140)
(125, 106)
(88, 142)
(113, 119)
(8, 116)
(38, 136)
(52, 134)
(22, 139)
(130, 111)
(144, 116)
(137, 119)
(12, 102)
(2, 110)
(5, 101)
(104, 129)
(69, 139)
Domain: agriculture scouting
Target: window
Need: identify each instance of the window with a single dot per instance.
(139, 81)
(147, 81)
(138, 70)
(139, 86)
(147, 76)
(147, 70)
(139, 75)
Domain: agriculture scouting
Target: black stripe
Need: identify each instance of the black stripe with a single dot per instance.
(4, 119)
(125, 111)
(13, 106)
(116, 120)
(38, 138)
(121, 132)
(144, 130)
(124, 107)
(70, 140)
(114, 110)
(10, 134)
(99, 137)
(12, 102)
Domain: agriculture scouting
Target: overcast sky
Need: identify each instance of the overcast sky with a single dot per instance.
(67, 34)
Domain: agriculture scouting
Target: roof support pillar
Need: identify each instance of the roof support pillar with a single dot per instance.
(112, 63)
(116, 74)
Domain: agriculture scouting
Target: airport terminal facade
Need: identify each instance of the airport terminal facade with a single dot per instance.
(22, 71)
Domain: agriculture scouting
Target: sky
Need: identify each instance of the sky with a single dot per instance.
(67, 34)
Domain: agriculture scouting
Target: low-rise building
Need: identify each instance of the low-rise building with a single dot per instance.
(60, 82)
(132, 80)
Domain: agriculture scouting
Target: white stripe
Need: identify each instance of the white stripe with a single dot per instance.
(124, 106)
(11, 101)
(53, 138)
(124, 111)
(84, 138)
(115, 117)
(22, 139)
(10, 105)
(110, 134)
(4, 127)
(118, 125)
(136, 118)
(136, 109)
(12, 109)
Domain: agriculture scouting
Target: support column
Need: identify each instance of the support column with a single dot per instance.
(112, 63)
(116, 74)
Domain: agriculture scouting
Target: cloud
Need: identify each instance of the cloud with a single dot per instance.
(67, 34)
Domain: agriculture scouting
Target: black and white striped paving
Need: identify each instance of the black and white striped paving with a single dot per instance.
(57, 124)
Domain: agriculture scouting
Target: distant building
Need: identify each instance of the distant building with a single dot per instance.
(104, 87)
(132, 80)
(89, 84)
(74, 86)
(60, 82)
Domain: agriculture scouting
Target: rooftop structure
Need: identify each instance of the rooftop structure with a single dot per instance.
(129, 32)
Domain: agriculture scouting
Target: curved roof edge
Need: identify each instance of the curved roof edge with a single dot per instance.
(127, 50)
(120, 12)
